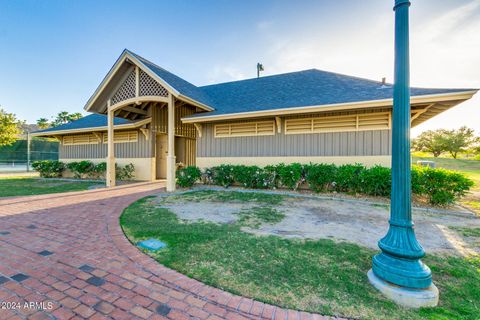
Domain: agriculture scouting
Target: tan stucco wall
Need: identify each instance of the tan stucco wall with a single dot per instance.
(205, 162)
(143, 166)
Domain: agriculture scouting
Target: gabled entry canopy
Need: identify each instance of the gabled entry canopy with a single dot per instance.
(133, 82)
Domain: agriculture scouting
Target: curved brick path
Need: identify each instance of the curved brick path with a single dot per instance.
(71, 248)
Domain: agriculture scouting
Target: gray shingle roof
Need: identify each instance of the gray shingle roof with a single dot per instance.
(90, 121)
(299, 89)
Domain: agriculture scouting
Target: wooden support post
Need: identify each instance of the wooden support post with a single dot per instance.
(111, 149)
(171, 160)
(152, 133)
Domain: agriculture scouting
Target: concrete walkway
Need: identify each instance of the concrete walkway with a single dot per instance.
(64, 256)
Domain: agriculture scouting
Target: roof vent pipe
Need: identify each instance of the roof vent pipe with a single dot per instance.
(384, 84)
(259, 68)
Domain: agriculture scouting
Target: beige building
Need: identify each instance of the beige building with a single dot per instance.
(145, 115)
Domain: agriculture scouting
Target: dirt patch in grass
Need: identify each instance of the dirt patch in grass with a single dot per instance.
(310, 218)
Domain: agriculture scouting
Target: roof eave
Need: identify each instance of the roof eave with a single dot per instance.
(462, 95)
(90, 129)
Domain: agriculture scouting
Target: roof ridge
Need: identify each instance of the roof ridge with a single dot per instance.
(251, 79)
(294, 72)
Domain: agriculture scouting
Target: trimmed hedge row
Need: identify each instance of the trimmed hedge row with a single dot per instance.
(82, 169)
(437, 186)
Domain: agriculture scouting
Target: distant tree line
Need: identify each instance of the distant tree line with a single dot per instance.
(11, 128)
(62, 117)
(454, 142)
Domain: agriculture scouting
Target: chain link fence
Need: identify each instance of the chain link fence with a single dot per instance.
(17, 157)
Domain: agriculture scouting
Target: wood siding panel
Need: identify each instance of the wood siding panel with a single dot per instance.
(140, 149)
(359, 143)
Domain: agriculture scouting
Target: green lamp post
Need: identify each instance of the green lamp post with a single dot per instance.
(399, 262)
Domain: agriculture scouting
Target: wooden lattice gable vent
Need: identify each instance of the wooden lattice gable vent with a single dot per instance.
(80, 139)
(245, 129)
(150, 87)
(344, 123)
(147, 86)
(122, 136)
(127, 90)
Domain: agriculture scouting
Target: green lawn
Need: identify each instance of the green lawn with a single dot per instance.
(318, 276)
(26, 186)
(471, 168)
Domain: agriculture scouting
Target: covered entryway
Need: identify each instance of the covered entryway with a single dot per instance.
(185, 153)
(135, 89)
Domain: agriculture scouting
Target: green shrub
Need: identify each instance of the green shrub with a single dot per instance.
(245, 175)
(125, 173)
(207, 176)
(49, 168)
(81, 169)
(290, 175)
(441, 186)
(186, 177)
(437, 186)
(265, 178)
(223, 175)
(272, 176)
(376, 181)
(98, 171)
(348, 178)
(320, 177)
(416, 180)
(254, 177)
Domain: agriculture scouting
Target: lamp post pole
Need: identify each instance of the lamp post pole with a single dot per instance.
(399, 262)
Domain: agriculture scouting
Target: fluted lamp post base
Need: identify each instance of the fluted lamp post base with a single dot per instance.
(406, 297)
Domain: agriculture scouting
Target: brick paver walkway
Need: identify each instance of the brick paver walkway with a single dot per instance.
(67, 253)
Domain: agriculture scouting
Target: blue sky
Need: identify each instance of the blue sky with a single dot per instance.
(53, 54)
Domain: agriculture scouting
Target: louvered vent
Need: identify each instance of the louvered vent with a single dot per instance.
(245, 129)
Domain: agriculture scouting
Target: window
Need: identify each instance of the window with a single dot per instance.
(80, 139)
(245, 129)
(122, 136)
(355, 122)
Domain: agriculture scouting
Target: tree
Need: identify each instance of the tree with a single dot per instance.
(431, 141)
(61, 118)
(9, 128)
(459, 140)
(65, 117)
(43, 123)
(476, 146)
